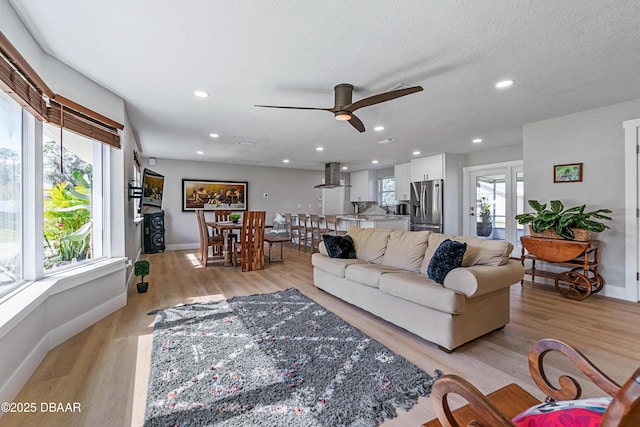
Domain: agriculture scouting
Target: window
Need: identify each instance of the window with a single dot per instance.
(71, 200)
(387, 191)
(11, 248)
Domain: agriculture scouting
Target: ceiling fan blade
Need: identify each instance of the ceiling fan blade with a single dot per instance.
(356, 123)
(382, 97)
(294, 108)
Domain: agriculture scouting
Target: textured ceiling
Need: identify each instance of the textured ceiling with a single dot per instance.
(565, 56)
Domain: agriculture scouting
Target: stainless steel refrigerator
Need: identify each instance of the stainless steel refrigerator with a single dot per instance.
(426, 205)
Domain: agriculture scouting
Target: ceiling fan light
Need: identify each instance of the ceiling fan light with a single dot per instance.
(343, 115)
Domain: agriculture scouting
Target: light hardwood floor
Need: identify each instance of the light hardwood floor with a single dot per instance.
(105, 368)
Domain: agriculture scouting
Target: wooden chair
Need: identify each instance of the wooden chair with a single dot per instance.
(332, 225)
(206, 240)
(316, 231)
(304, 231)
(623, 411)
(222, 216)
(293, 230)
(252, 241)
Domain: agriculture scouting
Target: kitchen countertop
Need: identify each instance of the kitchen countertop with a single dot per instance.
(359, 217)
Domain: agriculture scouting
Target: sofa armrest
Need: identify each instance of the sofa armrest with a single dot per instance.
(478, 280)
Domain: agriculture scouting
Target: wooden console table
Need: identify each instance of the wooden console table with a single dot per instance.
(577, 283)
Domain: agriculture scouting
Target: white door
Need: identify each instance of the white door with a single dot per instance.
(493, 197)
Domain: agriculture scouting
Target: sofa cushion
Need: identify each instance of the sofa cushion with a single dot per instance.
(405, 249)
(367, 273)
(479, 251)
(419, 289)
(370, 243)
(334, 266)
(447, 257)
(339, 246)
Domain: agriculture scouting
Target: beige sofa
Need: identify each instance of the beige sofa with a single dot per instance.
(389, 279)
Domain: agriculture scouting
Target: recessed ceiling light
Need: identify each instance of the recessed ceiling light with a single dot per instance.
(386, 141)
(200, 94)
(378, 128)
(214, 135)
(319, 148)
(374, 161)
(249, 143)
(416, 153)
(285, 161)
(504, 83)
(344, 168)
(199, 152)
(476, 140)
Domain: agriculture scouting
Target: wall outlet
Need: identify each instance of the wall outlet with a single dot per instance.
(265, 195)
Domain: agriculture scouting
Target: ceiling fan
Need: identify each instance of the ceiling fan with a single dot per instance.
(344, 108)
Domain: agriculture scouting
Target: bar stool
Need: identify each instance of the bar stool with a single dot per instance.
(305, 231)
(316, 231)
(332, 225)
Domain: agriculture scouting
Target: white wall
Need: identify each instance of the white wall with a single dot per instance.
(595, 138)
(38, 317)
(290, 190)
(498, 155)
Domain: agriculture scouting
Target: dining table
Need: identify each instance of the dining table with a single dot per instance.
(226, 228)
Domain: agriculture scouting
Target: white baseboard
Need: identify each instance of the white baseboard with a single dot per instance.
(182, 246)
(12, 386)
(76, 325)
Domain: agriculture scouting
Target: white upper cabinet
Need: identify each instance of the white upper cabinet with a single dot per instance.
(363, 186)
(402, 174)
(427, 168)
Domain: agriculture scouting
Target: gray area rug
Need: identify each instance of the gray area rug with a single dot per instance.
(275, 359)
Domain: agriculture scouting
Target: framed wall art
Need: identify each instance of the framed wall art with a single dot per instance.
(567, 173)
(214, 195)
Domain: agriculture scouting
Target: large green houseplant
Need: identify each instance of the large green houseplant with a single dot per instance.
(562, 220)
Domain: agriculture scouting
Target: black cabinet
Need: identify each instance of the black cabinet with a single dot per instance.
(153, 232)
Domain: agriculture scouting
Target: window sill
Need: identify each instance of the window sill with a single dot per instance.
(22, 301)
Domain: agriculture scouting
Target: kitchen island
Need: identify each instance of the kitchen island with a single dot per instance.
(392, 222)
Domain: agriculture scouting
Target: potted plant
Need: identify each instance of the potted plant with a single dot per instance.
(141, 268)
(485, 226)
(565, 223)
(234, 217)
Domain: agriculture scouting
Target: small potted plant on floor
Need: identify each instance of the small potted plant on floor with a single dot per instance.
(235, 217)
(141, 268)
(485, 226)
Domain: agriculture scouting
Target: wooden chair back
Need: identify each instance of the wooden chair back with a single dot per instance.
(206, 240)
(623, 411)
(332, 225)
(303, 231)
(252, 241)
(222, 215)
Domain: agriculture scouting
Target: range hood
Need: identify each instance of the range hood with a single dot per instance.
(331, 176)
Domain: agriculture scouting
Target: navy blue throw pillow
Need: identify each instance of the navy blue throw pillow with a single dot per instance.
(339, 246)
(447, 257)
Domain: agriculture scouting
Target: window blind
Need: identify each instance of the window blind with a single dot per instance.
(22, 83)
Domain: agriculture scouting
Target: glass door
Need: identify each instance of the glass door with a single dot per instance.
(494, 196)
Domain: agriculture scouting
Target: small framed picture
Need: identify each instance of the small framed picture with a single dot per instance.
(567, 173)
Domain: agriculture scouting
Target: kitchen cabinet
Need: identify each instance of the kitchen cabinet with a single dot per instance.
(427, 168)
(364, 186)
(402, 174)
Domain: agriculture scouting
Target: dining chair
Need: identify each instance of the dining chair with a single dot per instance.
(252, 241)
(332, 225)
(317, 230)
(223, 215)
(207, 240)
